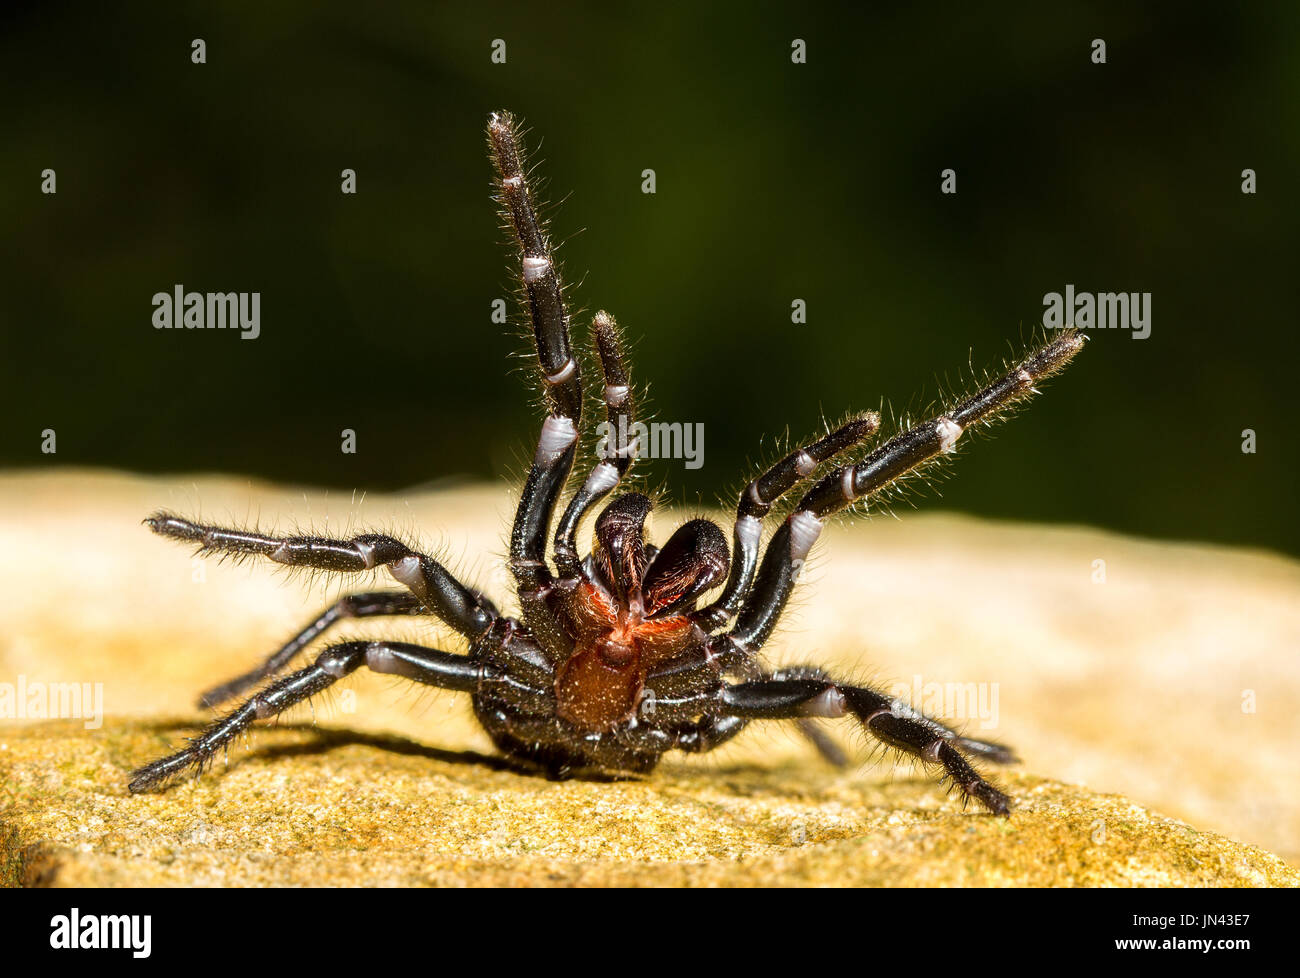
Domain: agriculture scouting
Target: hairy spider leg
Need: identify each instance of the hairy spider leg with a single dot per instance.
(756, 502)
(429, 666)
(562, 383)
(618, 453)
(369, 604)
(437, 589)
(791, 543)
(888, 720)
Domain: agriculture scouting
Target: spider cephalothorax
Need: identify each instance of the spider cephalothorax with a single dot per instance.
(629, 611)
(616, 658)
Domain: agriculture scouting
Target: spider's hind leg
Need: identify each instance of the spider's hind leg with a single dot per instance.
(365, 605)
(429, 666)
(886, 719)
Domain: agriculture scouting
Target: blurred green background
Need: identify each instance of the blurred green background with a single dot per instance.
(776, 181)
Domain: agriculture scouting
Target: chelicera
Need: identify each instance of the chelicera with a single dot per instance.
(616, 657)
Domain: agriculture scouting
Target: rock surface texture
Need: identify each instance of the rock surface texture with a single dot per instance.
(1168, 683)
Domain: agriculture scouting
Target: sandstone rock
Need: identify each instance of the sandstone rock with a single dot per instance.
(1174, 682)
(320, 808)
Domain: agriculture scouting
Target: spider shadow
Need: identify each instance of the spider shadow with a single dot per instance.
(326, 739)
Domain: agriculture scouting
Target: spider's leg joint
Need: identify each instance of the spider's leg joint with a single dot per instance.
(367, 553)
(602, 478)
(558, 433)
(804, 531)
(804, 464)
(564, 373)
(535, 268)
(616, 394)
(338, 662)
(407, 572)
(750, 530)
(830, 704)
(948, 431)
(846, 483)
(379, 658)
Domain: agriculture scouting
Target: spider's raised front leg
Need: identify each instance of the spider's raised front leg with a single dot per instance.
(619, 449)
(790, 545)
(757, 501)
(429, 666)
(562, 384)
(366, 605)
(885, 718)
(430, 582)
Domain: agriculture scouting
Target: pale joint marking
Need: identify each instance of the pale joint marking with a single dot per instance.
(603, 478)
(367, 553)
(804, 531)
(564, 373)
(407, 571)
(557, 435)
(948, 431)
(749, 531)
(828, 703)
(535, 269)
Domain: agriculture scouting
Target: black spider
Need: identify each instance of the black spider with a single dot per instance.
(612, 663)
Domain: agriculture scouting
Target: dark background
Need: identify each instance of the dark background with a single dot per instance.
(775, 181)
